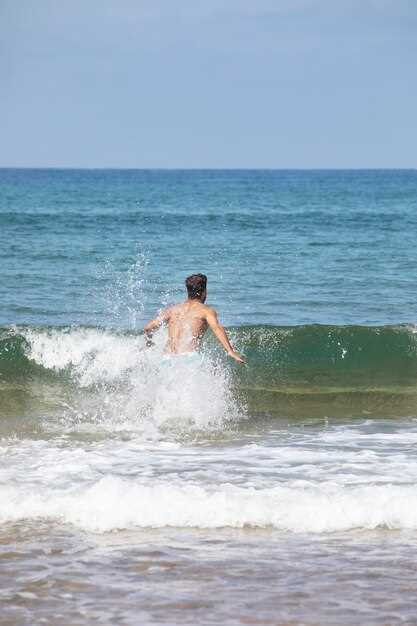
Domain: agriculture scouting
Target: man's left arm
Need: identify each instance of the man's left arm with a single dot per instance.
(221, 335)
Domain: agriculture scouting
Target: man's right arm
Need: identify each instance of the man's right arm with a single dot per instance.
(221, 335)
(154, 324)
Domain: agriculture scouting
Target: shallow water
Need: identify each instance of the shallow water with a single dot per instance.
(136, 490)
(239, 577)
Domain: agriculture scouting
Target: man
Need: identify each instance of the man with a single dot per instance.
(187, 322)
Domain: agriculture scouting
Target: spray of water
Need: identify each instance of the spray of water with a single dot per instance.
(125, 293)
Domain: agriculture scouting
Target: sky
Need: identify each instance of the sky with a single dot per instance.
(208, 83)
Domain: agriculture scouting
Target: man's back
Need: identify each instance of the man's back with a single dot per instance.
(187, 323)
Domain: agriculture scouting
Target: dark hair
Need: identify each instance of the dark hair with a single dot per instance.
(196, 285)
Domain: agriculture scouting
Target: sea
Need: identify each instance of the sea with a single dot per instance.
(135, 489)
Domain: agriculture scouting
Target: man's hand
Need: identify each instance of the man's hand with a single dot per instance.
(236, 356)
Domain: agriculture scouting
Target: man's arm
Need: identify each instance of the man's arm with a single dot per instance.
(221, 335)
(151, 326)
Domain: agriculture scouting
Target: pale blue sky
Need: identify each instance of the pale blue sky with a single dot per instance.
(208, 83)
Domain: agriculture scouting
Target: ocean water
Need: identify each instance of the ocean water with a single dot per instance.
(138, 490)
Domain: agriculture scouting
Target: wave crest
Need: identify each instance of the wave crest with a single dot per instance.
(117, 504)
(292, 371)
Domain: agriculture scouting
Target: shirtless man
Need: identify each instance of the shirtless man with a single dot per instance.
(187, 322)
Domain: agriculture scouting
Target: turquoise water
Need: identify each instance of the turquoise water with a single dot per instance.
(201, 492)
(279, 247)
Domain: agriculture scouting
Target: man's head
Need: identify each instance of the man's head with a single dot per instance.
(196, 287)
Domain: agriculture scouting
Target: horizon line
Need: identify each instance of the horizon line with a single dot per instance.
(206, 169)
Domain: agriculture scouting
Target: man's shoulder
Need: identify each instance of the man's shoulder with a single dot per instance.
(172, 309)
(167, 311)
(208, 310)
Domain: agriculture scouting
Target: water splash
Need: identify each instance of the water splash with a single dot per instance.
(116, 382)
(126, 292)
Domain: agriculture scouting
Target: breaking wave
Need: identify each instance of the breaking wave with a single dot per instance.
(305, 370)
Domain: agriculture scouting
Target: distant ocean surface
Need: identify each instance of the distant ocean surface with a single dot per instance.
(136, 490)
(279, 247)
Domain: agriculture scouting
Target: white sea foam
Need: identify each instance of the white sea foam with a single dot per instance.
(334, 479)
(114, 504)
(94, 356)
